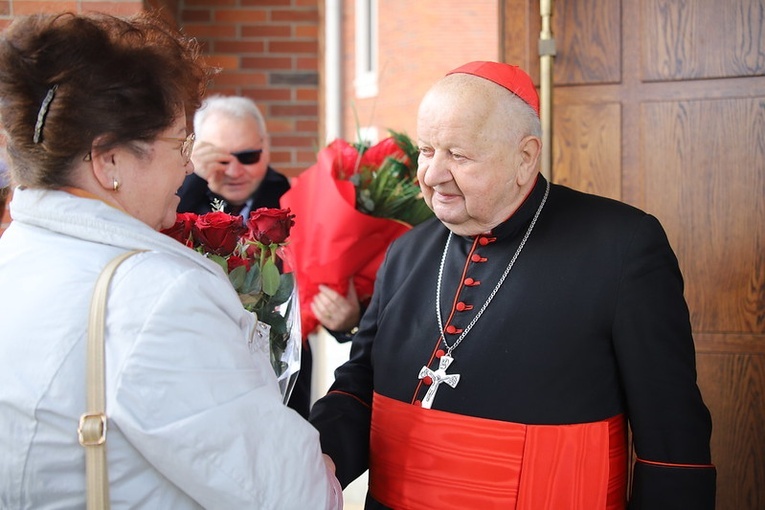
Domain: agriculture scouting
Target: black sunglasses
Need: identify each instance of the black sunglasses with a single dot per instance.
(248, 157)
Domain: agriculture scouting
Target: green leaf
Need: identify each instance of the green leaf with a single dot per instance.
(220, 261)
(237, 277)
(251, 283)
(283, 293)
(279, 331)
(250, 301)
(270, 277)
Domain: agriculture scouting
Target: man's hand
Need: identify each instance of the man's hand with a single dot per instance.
(210, 162)
(334, 311)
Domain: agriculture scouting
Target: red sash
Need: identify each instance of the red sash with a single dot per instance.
(425, 458)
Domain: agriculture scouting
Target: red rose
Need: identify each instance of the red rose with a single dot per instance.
(345, 158)
(181, 231)
(375, 156)
(235, 261)
(218, 232)
(270, 226)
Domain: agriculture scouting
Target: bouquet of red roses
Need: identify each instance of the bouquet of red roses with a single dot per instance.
(350, 206)
(252, 255)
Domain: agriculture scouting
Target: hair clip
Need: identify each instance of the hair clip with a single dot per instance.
(42, 113)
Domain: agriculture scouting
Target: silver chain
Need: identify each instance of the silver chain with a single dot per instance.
(493, 292)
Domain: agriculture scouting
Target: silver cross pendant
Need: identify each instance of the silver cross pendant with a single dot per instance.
(438, 377)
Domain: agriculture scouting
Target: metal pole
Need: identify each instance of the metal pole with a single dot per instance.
(546, 56)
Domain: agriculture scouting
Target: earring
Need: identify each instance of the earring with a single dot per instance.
(115, 185)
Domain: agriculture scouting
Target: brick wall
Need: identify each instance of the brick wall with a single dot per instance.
(268, 50)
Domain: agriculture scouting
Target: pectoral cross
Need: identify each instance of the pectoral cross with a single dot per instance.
(438, 377)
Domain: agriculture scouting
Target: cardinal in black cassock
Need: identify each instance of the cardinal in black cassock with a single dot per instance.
(513, 340)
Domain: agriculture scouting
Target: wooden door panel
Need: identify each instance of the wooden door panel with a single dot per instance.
(699, 181)
(733, 386)
(587, 147)
(589, 30)
(702, 39)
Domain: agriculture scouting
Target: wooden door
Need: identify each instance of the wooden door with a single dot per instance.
(661, 104)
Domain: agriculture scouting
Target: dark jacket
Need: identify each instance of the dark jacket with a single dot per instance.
(590, 323)
(196, 197)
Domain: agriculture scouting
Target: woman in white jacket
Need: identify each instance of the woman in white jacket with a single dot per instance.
(95, 110)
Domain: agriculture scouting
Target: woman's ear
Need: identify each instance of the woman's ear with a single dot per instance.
(104, 166)
(530, 148)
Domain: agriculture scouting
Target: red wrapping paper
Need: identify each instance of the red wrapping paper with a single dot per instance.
(332, 242)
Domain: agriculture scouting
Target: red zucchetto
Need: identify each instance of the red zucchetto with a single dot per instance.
(513, 78)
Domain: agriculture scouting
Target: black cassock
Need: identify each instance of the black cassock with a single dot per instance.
(590, 326)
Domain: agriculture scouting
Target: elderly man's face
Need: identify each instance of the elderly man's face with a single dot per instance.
(239, 180)
(470, 158)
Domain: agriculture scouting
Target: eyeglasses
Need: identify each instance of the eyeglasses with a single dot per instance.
(187, 144)
(248, 157)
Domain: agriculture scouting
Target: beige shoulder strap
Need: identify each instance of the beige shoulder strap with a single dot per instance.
(92, 428)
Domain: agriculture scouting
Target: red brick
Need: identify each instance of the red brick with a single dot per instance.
(239, 16)
(211, 31)
(196, 15)
(265, 94)
(307, 157)
(224, 61)
(292, 141)
(266, 30)
(293, 47)
(239, 79)
(238, 46)
(263, 63)
(308, 63)
(307, 94)
(267, 3)
(311, 126)
(299, 110)
(280, 156)
(296, 15)
(279, 125)
(307, 31)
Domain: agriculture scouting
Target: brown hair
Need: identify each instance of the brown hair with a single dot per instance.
(122, 79)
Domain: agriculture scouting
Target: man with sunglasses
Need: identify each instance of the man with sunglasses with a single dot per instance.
(231, 160)
(231, 156)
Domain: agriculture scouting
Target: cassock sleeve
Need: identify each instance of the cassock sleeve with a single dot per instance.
(671, 426)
